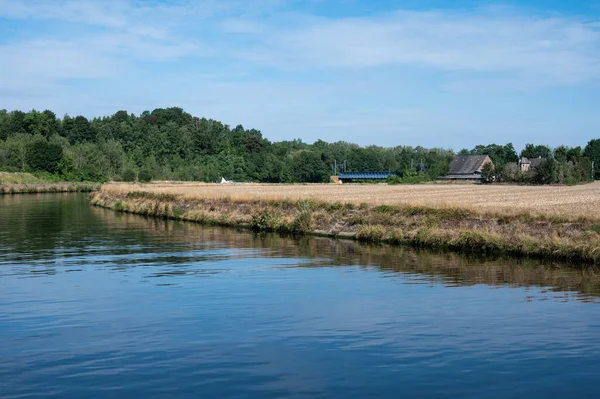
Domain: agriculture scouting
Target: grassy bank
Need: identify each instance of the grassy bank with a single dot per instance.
(572, 202)
(547, 236)
(28, 178)
(8, 189)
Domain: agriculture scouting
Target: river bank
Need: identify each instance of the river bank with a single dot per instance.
(522, 234)
(8, 189)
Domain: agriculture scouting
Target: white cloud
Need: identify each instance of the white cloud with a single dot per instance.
(523, 49)
(107, 13)
(51, 59)
(548, 51)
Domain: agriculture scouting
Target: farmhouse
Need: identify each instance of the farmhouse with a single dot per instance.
(467, 167)
(526, 164)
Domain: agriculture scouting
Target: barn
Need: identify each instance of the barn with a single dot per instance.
(467, 167)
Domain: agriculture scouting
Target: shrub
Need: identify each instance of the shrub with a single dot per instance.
(408, 178)
(336, 206)
(394, 179)
(370, 233)
(42, 155)
(266, 221)
(129, 176)
(385, 209)
(145, 176)
(546, 172)
(488, 173)
(303, 222)
(177, 212)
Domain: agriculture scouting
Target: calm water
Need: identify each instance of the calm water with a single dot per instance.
(96, 304)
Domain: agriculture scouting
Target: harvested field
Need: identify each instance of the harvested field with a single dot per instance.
(568, 202)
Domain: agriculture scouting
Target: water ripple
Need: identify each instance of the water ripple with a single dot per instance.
(96, 304)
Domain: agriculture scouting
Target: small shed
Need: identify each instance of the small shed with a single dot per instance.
(467, 167)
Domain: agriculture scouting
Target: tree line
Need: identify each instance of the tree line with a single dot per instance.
(171, 144)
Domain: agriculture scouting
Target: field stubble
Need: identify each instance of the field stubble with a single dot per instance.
(567, 202)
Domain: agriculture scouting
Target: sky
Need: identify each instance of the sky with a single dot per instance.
(443, 73)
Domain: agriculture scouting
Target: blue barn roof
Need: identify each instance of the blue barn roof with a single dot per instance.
(365, 175)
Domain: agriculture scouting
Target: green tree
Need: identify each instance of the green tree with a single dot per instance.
(500, 154)
(592, 151)
(547, 172)
(488, 173)
(536, 151)
(307, 167)
(145, 176)
(4, 124)
(78, 130)
(128, 175)
(42, 123)
(567, 154)
(40, 155)
(17, 122)
(15, 150)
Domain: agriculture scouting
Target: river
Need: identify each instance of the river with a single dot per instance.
(97, 304)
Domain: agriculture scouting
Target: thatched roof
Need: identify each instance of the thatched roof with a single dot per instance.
(468, 164)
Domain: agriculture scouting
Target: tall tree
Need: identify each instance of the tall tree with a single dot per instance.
(17, 123)
(536, 151)
(308, 167)
(78, 130)
(592, 151)
(500, 154)
(4, 124)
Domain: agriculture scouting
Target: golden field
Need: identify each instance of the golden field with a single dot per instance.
(575, 202)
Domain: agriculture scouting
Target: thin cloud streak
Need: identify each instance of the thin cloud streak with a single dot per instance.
(547, 51)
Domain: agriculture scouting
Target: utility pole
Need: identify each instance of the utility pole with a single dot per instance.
(335, 163)
(593, 174)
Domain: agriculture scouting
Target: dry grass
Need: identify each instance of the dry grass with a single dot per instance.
(569, 202)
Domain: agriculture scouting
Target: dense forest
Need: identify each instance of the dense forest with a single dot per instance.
(170, 144)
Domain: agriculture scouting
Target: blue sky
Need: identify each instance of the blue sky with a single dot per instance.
(430, 72)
